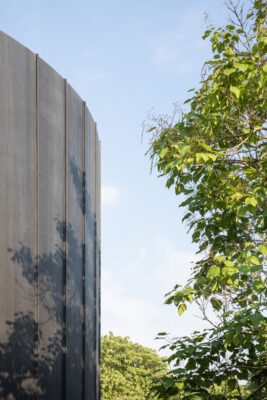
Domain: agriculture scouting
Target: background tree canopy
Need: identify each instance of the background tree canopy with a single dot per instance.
(215, 156)
(128, 370)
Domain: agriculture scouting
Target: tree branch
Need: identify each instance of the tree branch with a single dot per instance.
(259, 388)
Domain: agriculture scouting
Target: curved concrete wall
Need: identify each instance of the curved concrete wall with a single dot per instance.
(49, 234)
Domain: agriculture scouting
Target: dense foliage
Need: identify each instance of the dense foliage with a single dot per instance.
(128, 370)
(215, 156)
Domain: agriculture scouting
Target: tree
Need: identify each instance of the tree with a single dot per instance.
(128, 370)
(215, 155)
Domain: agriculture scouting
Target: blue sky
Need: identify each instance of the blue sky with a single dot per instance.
(125, 58)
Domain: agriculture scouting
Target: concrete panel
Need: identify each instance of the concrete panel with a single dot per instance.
(18, 306)
(98, 262)
(75, 243)
(51, 265)
(90, 232)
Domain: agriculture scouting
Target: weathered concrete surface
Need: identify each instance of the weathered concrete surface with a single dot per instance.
(49, 234)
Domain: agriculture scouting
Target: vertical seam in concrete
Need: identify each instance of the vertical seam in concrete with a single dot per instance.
(95, 262)
(65, 252)
(37, 216)
(84, 246)
(97, 168)
(98, 183)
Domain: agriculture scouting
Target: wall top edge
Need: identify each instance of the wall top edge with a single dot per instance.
(4, 35)
(12, 41)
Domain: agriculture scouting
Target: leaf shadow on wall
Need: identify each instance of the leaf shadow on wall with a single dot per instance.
(47, 353)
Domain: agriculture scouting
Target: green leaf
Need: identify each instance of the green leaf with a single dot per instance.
(216, 303)
(190, 364)
(213, 272)
(202, 157)
(257, 128)
(229, 71)
(196, 236)
(251, 201)
(207, 34)
(237, 196)
(263, 250)
(168, 383)
(254, 260)
(169, 300)
(242, 67)
(228, 263)
(163, 152)
(237, 339)
(256, 319)
(182, 308)
(235, 90)
(206, 146)
(213, 157)
(187, 215)
(179, 385)
(232, 383)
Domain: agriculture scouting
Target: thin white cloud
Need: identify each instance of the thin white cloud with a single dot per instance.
(110, 195)
(84, 79)
(92, 75)
(182, 48)
(126, 313)
(133, 301)
(138, 262)
(177, 264)
(167, 49)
